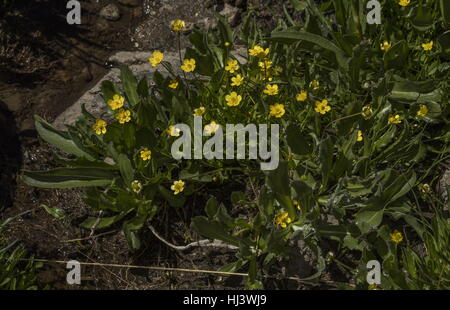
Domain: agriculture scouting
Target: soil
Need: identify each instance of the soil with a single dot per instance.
(45, 66)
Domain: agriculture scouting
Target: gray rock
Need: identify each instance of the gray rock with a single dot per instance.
(231, 13)
(110, 12)
(139, 65)
(207, 23)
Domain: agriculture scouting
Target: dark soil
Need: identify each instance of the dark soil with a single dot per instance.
(45, 66)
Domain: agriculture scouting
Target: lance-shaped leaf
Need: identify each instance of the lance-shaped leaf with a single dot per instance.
(291, 36)
(130, 85)
(69, 177)
(58, 139)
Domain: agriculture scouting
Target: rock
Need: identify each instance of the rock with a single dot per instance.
(207, 23)
(110, 12)
(139, 65)
(231, 13)
(102, 25)
(443, 183)
(86, 74)
(129, 2)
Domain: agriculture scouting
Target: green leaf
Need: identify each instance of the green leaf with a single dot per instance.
(326, 148)
(211, 208)
(108, 90)
(58, 138)
(299, 142)
(101, 223)
(126, 170)
(69, 177)
(278, 179)
(130, 84)
(225, 29)
(131, 228)
(213, 230)
(233, 267)
(55, 212)
(298, 5)
(444, 42)
(176, 201)
(290, 37)
(397, 56)
(445, 10)
(370, 216)
(422, 18)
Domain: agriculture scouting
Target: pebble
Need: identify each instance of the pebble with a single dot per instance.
(110, 12)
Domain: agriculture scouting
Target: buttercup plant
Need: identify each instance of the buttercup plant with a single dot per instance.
(358, 118)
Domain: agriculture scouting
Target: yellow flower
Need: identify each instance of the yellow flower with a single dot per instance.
(385, 46)
(99, 127)
(271, 89)
(359, 138)
(200, 111)
(212, 128)
(173, 84)
(277, 110)
(116, 102)
(265, 65)
(397, 236)
(146, 154)
(156, 58)
(258, 51)
(173, 131)
(233, 99)
(177, 187)
(367, 111)
(394, 119)
(296, 204)
(232, 66)
(423, 110)
(302, 96)
(123, 116)
(283, 219)
(404, 2)
(314, 84)
(178, 25)
(227, 44)
(237, 80)
(427, 46)
(188, 65)
(136, 186)
(322, 107)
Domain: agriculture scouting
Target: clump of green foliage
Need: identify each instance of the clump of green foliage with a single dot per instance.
(363, 111)
(17, 268)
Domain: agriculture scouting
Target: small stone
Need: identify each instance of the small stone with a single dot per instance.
(207, 23)
(231, 13)
(110, 12)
